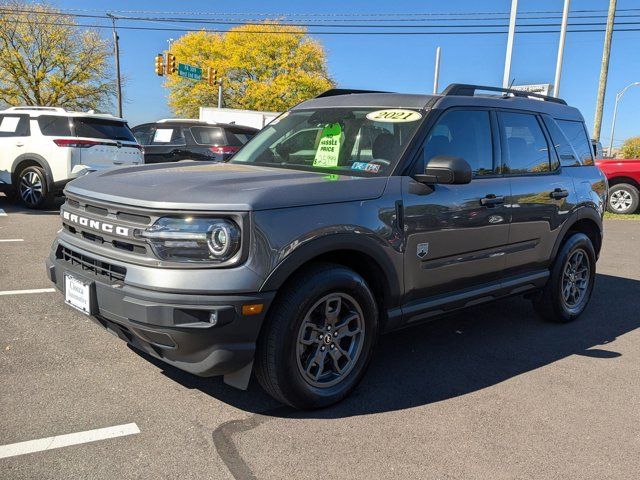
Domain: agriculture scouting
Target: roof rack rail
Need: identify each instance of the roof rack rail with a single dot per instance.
(44, 109)
(467, 90)
(345, 91)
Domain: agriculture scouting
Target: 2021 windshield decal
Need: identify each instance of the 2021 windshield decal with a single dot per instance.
(394, 115)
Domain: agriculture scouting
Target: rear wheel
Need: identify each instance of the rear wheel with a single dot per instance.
(623, 198)
(32, 188)
(319, 338)
(569, 288)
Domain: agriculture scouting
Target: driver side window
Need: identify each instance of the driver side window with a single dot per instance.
(465, 134)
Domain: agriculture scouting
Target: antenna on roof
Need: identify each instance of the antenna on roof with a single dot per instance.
(508, 92)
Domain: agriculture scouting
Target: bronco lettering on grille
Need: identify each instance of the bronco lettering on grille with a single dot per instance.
(95, 224)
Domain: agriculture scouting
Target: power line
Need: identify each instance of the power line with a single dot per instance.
(235, 23)
(271, 32)
(352, 14)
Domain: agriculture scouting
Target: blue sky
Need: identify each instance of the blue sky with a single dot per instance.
(405, 63)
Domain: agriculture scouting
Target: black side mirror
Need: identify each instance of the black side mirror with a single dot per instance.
(445, 169)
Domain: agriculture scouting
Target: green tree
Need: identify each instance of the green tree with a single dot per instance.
(260, 71)
(44, 61)
(631, 148)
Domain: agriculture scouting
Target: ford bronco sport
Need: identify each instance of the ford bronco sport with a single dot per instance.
(350, 215)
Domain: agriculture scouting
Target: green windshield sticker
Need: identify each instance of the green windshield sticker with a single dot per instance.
(328, 151)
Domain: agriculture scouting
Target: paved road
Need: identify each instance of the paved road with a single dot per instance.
(491, 393)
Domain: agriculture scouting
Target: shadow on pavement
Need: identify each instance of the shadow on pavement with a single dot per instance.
(458, 354)
(10, 206)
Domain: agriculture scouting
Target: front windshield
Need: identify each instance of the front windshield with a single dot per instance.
(362, 141)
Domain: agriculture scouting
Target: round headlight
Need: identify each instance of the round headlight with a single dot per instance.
(219, 239)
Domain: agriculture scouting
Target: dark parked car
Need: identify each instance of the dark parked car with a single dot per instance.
(351, 215)
(173, 140)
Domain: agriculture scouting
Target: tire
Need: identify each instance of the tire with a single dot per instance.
(569, 288)
(32, 189)
(300, 358)
(623, 199)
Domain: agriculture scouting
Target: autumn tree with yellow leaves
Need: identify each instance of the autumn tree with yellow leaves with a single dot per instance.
(260, 71)
(46, 61)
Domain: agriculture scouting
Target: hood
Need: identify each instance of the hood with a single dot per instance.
(222, 187)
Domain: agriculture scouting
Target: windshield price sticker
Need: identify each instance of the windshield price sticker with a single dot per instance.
(328, 151)
(394, 115)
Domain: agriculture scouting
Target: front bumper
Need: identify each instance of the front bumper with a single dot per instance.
(173, 327)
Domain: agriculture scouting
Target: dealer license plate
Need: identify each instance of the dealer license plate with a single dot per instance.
(77, 294)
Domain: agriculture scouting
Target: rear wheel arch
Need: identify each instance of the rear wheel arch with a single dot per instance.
(589, 223)
(617, 180)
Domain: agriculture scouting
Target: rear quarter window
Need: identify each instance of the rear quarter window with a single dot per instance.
(103, 129)
(54, 126)
(237, 137)
(209, 136)
(577, 136)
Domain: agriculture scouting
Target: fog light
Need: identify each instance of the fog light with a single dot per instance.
(213, 317)
(254, 309)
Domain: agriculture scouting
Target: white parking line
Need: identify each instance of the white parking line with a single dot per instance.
(67, 440)
(24, 292)
(7, 240)
(3, 213)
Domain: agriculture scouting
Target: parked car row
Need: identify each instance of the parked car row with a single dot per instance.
(43, 148)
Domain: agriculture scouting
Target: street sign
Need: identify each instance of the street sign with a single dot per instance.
(541, 88)
(189, 71)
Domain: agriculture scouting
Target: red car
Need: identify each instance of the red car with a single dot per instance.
(624, 183)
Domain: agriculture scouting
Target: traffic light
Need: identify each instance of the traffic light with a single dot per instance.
(213, 76)
(160, 65)
(171, 63)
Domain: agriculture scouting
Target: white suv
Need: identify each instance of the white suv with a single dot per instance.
(43, 148)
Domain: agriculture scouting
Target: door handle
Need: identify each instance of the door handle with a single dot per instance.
(491, 200)
(19, 144)
(559, 193)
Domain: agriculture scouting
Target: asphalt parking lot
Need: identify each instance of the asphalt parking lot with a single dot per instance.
(491, 393)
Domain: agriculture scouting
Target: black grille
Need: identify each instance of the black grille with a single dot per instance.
(98, 268)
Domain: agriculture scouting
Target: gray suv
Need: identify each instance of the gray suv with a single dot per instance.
(351, 215)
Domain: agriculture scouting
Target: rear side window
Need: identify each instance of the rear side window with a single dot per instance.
(566, 153)
(104, 129)
(237, 137)
(577, 135)
(54, 126)
(168, 136)
(526, 147)
(144, 134)
(14, 125)
(465, 134)
(209, 136)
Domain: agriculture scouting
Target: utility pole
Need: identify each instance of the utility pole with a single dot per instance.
(436, 74)
(512, 32)
(116, 48)
(563, 34)
(604, 69)
(615, 112)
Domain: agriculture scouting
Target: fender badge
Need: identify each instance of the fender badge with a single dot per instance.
(423, 250)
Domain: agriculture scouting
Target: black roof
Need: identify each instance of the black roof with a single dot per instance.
(453, 95)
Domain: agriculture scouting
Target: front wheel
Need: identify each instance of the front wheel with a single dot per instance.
(319, 337)
(569, 288)
(33, 189)
(623, 199)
